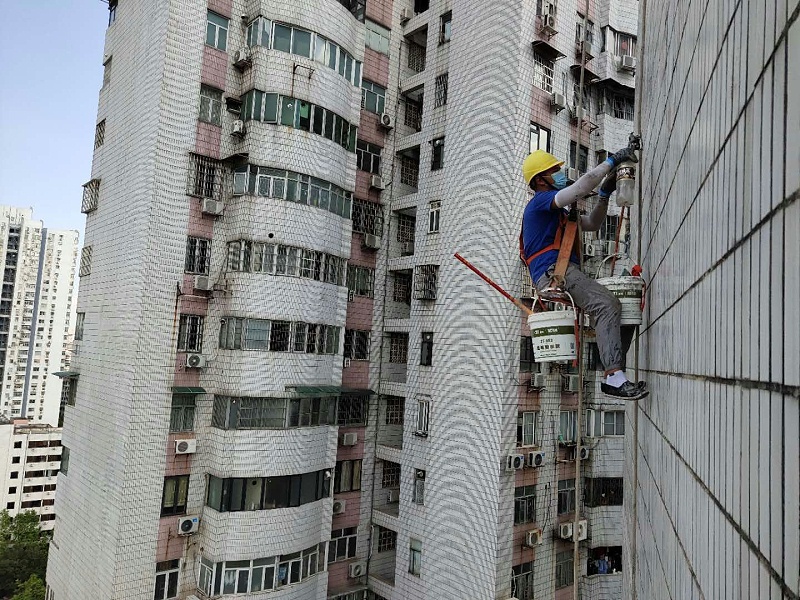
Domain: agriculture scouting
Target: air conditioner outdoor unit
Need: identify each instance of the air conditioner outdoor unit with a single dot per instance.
(376, 181)
(571, 383)
(583, 530)
(339, 506)
(188, 525)
(627, 63)
(533, 538)
(539, 381)
(514, 462)
(573, 174)
(241, 58)
(558, 101)
(345, 363)
(185, 446)
(549, 23)
(357, 569)
(373, 242)
(536, 459)
(565, 531)
(584, 453)
(195, 361)
(349, 439)
(387, 121)
(211, 206)
(405, 15)
(589, 249)
(580, 47)
(238, 128)
(203, 283)
(578, 113)
(393, 496)
(406, 248)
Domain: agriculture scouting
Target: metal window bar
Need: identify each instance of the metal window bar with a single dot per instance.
(99, 134)
(86, 261)
(91, 196)
(413, 115)
(543, 72)
(440, 97)
(190, 333)
(398, 348)
(416, 57)
(391, 474)
(367, 217)
(205, 177)
(406, 225)
(425, 284)
(401, 287)
(409, 171)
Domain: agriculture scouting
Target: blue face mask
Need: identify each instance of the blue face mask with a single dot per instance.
(559, 180)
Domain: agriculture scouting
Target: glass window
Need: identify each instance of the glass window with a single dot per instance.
(182, 413)
(287, 111)
(217, 31)
(445, 29)
(174, 496)
(256, 334)
(540, 138)
(301, 43)
(282, 38)
(210, 105)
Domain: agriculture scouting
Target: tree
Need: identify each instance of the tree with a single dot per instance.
(33, 589)
(23, 550)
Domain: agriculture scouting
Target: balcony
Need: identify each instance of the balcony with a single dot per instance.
(600, 587)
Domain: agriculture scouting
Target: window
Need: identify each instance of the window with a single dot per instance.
(621, 107)
(205, 177)
(64, 467)
(69, 388)
(190, 333)
(418, 494)
(398, 348)
(566, 496)
(426, 349)
(401, 287)
(409, 170)
(99, 134)
(198, 256)
(406, 226)
(589, 36)
(425, 283)
(360, 280)
(540, 138)
(413, 114)
(80, 319)
(86, 261)
(368, 157)
(387, 539)
(10, 505)
(356, 344)
(343, 544)
(434, 211)
(395, 407)
(91, 195)
(440, 90)
(217, 31)
(356, 8)
(416, 57)
(258, 331)
(181, 416)
(260, 257)
(210, 105)
(266, 493)
(564, 569)
(526, 360)
(373, 97)
(603, 491)
(525, 504)
(367, 217)
(567, 432)
(445, 27)
(437, 154)
(377, 37)
(581, 161)
(233, 412)
(543, 72)
(624, 44)
(167, 574)
(173, 501)
(348, 476)
(391, 474)
(613, 422)
(423, 415)
(415, 557)
(522, 581)
(112, 12)
(526, 428)
(15, 475)
(352, 410)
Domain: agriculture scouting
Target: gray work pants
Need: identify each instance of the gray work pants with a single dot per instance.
(605, 310)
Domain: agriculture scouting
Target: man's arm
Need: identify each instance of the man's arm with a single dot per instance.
(582, 187)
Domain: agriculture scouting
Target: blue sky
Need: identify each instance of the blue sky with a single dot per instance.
(51, 53)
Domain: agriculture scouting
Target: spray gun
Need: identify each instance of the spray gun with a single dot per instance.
(626, 175)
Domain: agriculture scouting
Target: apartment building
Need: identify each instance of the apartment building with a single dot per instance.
(711, 467)
(35, 310)
(285, 386)
(30, 459)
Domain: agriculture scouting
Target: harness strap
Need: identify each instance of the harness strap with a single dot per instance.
(564, 252)
(556, 245)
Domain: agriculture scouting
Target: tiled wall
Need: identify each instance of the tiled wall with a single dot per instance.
(713, 466)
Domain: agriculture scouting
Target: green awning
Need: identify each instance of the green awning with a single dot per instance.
(66, 374)
(324, 390)
(182, 389)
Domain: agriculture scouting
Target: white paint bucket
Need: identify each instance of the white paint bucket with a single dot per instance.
(553, 335)
(628, 291)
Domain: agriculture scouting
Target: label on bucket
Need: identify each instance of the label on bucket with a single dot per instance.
(627, 293)
(557, 330)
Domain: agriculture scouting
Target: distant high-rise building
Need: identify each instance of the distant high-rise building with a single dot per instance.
(35, 311)
(284, 384)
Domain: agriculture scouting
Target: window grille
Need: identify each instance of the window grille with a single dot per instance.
(401, 287)
(406, 224)
(99, 134)
(398, 348)
(409, 170)
(205, 177)
(413, 115)
(395, 408)
(416, 57)
(352, 410)
(425, 284)
(367, 217)
(418, 496)
(543, 72)
(391, 474)
(190, 333)
(387, 539)
(440, 96)
(356, 344)
(91, 195)
(198, 256)
(86, 261)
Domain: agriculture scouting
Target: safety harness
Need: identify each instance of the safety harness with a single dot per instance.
(563, 242)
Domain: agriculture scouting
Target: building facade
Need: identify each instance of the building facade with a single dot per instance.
(284, 386)
(35, 311)
(712, 465)
(30, 459)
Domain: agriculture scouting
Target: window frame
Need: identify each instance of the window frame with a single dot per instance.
(169, 571)
(212, 97)
(177, 496)
(566, 496)
(220, 30)
(415, 557)
(423, 417)
(445, 27)
(538, 131)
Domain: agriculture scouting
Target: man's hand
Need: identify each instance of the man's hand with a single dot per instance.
(608, 185)
(627, 153)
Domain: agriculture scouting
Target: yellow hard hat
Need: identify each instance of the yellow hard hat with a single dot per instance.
(537, 162)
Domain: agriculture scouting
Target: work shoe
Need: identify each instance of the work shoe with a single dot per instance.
(627, 391)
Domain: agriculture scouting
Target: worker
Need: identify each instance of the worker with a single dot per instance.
(543, 223)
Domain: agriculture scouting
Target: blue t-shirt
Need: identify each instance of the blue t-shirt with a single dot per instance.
(540, 224)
